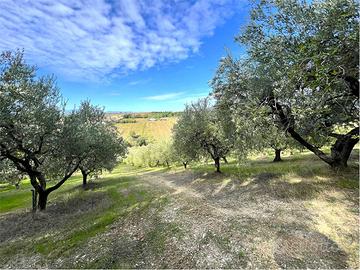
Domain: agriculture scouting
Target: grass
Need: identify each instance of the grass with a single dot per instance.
(91, 224)
(293, 167)
(76, 217)
(63, 239)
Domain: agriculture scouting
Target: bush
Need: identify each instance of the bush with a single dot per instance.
(126, 120)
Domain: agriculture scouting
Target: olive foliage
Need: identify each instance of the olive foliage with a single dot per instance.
(151, 155)
(102, 146)
(302, 69)
(37, 138)
(198, 133)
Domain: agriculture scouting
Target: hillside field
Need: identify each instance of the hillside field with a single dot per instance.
(158, 130)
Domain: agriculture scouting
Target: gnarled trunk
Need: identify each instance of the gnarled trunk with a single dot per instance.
(217, 164)
(43, 196)
(341, 150)
(84, 175)
(40, 187)
(277, 155)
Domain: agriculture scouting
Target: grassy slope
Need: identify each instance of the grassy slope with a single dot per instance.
(74, 215)
(154, 130)
(76, 218)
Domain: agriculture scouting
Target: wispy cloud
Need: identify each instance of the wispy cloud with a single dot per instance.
(132, 83)
(163, 97)
(91, 39)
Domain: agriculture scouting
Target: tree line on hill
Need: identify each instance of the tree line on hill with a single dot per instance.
(156, 115)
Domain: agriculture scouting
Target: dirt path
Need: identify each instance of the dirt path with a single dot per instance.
(231, 223)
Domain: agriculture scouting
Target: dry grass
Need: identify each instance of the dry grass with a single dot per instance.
(337, 217)
(293, 219)
(159, 130)
(295, 214)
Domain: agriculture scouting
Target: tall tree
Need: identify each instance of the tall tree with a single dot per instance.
(303, 65)
(248, 126)
(34, 132)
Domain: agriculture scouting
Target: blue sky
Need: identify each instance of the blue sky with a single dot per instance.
(125, 55)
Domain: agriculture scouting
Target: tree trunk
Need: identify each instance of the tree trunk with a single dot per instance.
(217, 164)
(277, 155)
(43, 195)
(185, 164)
(84, 175)
(341, 150)
(225, 160)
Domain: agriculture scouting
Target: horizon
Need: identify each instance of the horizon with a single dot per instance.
(125, 56)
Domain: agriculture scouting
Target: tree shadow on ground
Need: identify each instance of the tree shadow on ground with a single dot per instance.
(104, 183)
(57, 216)
(305, 249)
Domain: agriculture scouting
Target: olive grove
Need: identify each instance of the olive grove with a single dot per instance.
(301, 69)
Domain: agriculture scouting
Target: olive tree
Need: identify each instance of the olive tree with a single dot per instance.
(198, 133)
(272, 136)
(37, 138)
(35, 135)
(9, 174)
(249, 127)
(181, 151)
(302, 66)
(102, 146)
(182, 154)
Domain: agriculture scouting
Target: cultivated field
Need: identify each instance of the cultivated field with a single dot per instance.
(296, 214)
(158, 130)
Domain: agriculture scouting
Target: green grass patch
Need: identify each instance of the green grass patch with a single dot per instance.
(14, 199)
(303, 165)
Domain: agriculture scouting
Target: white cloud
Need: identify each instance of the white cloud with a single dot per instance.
(91, 39)
(167, 96)
(192, 97)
